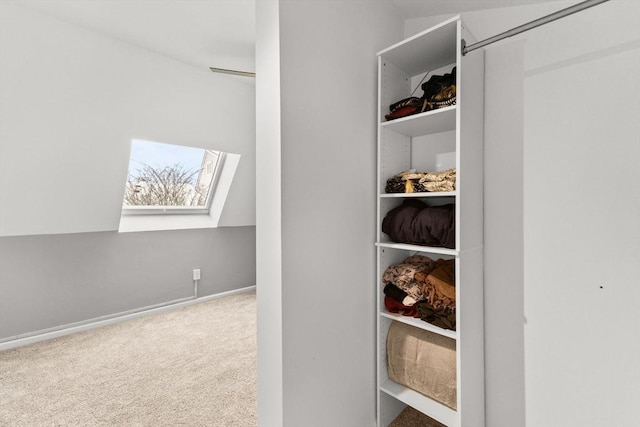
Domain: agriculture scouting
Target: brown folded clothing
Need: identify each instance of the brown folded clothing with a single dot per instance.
(443, 279)
(444, 318)
(438, 284)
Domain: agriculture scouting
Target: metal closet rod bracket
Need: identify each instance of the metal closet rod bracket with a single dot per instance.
(531, 25)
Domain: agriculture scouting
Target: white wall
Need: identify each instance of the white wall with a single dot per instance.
(55, 280)
(325, 206)
(562, 216)
(582, 220)
(268, 215)
(71, 102)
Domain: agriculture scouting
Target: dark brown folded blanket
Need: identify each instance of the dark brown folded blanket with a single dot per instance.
(417, 223)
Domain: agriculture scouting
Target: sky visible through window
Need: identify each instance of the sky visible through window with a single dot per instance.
(158, 155)
(169, 175)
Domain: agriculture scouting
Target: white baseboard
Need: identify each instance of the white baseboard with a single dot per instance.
(72, 328)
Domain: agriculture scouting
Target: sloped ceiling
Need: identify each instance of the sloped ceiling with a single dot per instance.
(203, 33)
(420, 8)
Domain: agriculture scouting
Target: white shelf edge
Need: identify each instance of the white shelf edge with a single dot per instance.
(418, 116)
(421, 324)
(422, 403)
(420, 34)
(397, 124)
(420, 194)
(418, 248)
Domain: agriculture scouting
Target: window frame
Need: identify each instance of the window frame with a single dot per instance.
(132, 210)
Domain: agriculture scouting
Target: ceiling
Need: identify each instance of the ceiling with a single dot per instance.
(204, 33)
(421, 8)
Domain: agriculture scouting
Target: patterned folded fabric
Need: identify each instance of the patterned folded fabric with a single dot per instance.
(439, 181)
(402, 275)
(420, 261)
(448, 175)
(417, 182)
(440, 186)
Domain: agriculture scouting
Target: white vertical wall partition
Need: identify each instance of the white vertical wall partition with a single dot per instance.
(268, 215)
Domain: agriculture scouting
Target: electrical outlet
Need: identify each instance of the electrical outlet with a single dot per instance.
(196, 274)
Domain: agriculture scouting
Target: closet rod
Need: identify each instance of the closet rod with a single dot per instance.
(533, 24)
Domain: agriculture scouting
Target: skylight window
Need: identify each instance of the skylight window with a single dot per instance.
(166, 178)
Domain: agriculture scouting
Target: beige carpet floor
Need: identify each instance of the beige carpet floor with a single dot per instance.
(193, 366)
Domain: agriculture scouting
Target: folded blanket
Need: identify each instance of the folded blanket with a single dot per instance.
(416, 222)
(423, 361)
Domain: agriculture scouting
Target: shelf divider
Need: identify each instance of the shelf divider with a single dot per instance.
(419, 194)
(418, 248)
(418, 323)
(435, 121)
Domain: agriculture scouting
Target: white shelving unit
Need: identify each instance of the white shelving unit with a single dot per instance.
(413, 142)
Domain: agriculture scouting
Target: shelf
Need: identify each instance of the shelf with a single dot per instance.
(428, 50)
(421, 324)
(418, 195)
(418, 248)
(414, 142)
(422, 403)
(435, 121)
